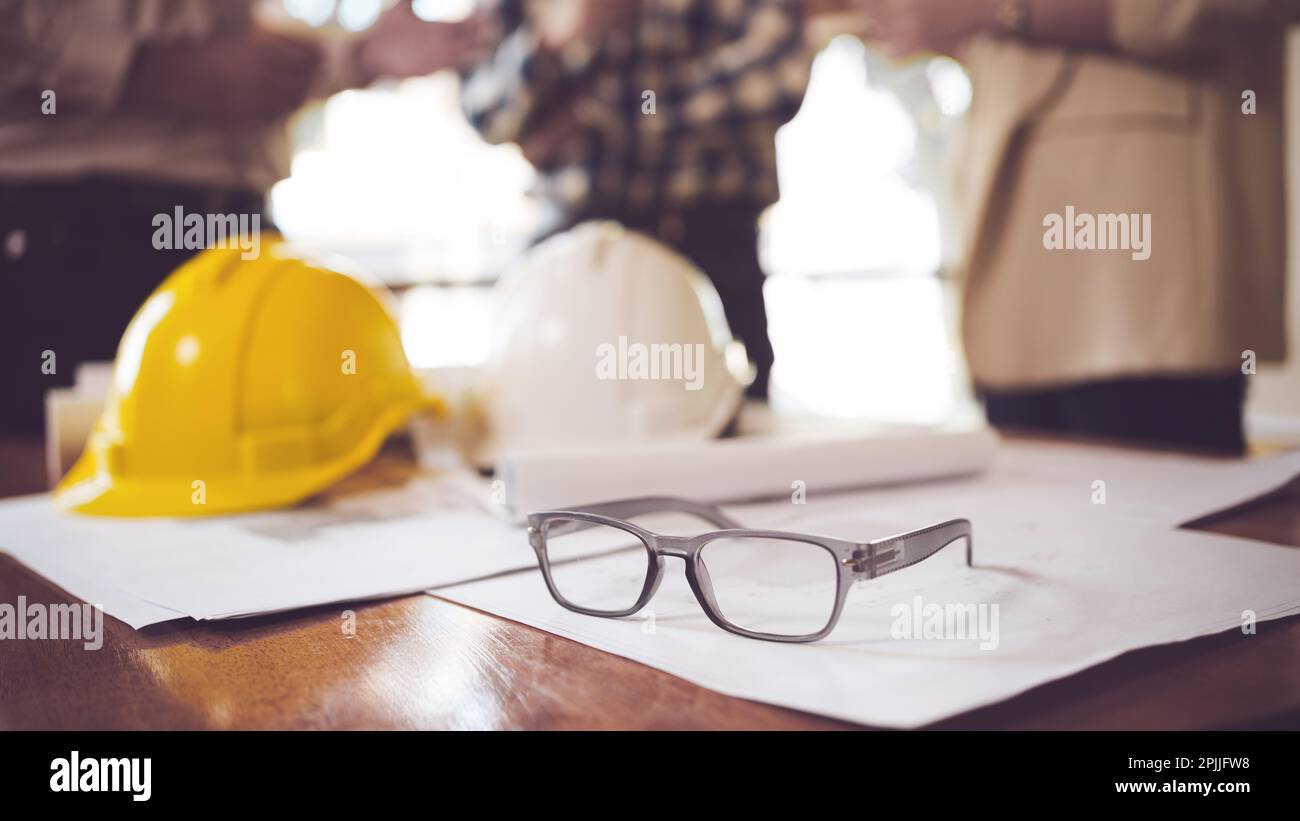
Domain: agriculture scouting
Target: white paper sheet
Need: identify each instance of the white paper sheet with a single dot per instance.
(1158, 488)
(92, 589)
(1077, 486)
(1071, 592)
(353, 543)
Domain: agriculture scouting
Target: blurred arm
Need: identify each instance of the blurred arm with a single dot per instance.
(503, 95)
(80, 49)
(1178, 28)
(1151, 28)
(1073, 23)
(175, 58)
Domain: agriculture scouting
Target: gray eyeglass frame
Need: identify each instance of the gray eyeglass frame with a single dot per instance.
(854, 561)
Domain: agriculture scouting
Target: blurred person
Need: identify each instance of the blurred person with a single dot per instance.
(660, 114)
(113, 112)
(1151, 125)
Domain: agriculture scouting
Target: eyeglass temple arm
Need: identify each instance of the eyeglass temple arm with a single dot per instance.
(896, 552)
(627, 508)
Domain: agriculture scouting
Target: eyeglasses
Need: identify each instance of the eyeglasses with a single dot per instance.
(764, 584)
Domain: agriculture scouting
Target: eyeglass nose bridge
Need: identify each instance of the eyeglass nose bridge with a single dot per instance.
(676, 546)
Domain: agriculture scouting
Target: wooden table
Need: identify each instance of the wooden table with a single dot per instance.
(420, 662)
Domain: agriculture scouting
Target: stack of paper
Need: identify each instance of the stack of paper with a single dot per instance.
(1078, 559)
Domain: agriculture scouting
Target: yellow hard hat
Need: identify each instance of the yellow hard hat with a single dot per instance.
(244, 384)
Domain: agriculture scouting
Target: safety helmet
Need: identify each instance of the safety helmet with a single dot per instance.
(244, 384)
(603, 336)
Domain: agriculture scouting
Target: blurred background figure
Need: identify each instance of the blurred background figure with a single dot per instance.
(661, 114)
(1169, 111)
(860, 249)
(113, 112)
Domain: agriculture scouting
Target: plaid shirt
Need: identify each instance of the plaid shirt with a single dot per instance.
(724, 74)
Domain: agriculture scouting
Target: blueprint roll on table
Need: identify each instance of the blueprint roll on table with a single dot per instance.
(739, 469)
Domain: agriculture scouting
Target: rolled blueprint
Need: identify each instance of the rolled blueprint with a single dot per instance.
(739, 469)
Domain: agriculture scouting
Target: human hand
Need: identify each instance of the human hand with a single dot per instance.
(253, 74)
(561, 22)
(907, 27)
(400, 44)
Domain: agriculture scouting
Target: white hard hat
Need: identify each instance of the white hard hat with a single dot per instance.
(604, 336)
